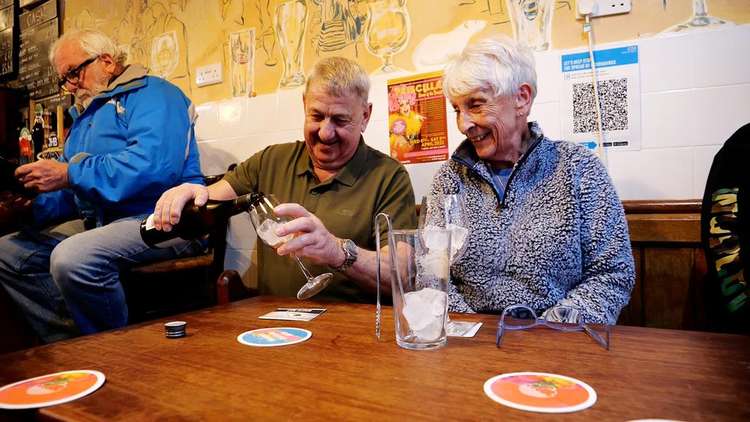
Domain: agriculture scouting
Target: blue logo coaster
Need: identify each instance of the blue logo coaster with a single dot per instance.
(272, 337)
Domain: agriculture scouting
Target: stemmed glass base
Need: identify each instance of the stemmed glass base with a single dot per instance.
(314, 286)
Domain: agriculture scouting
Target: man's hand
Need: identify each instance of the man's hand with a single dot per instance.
(169, 207)
(43, 175)
(312, 240)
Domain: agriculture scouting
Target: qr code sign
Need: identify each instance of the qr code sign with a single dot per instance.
(613, 97)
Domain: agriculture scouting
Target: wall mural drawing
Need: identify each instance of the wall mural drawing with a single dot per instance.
(532, 22)
(174, 37)
(388, 31)
(439, 49)
(164, 54)
(266, 36)
(290, 22)
(242, 45)
(86, 20)
(169, 40)
(339, 24)
(699, 19)
(494, 9)
(232, 10)
(128, 31)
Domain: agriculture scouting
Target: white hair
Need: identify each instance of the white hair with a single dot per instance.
(497, 64)
(94, 43)
(340, 76)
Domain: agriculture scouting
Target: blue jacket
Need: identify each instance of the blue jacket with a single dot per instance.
(133, 142)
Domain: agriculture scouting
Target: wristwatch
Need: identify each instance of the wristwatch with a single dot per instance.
(350, 255)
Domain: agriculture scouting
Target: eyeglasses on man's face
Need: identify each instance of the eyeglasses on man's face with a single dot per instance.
(73, 75)
(561, 318)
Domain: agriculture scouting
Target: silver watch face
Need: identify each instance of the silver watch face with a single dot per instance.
(351, 250)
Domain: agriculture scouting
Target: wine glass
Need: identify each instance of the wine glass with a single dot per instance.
(454, 217)
(266, 223)
(450, 214)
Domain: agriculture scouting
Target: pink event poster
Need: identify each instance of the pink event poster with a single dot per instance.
(416, 118)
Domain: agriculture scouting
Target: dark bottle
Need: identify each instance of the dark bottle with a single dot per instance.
(37, 130)
(197, 221)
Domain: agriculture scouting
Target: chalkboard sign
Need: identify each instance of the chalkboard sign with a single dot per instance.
(39, 29)
(38, 15)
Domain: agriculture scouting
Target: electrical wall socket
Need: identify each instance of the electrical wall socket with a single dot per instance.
(208, 75)
(607, 7)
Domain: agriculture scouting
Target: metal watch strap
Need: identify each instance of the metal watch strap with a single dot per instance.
(350, 255)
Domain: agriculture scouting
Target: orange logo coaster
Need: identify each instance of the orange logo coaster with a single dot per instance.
(540, 392)
(49, 390)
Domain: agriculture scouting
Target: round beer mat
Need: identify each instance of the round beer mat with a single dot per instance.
(540, 392)
(51, 389)
(276, 336)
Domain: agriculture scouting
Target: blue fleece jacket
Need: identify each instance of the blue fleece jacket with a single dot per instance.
(557, 235)
(133, 142)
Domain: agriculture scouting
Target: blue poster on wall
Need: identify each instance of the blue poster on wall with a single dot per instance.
(613, 110)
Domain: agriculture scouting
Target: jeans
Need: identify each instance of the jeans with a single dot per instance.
(66, 279)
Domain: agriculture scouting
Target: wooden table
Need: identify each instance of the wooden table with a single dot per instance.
(342, 372)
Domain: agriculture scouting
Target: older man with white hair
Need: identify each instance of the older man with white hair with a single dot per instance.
(132, 138)
(546, 228)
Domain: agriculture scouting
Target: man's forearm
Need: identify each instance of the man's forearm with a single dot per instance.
(364, 270)
(221, 191)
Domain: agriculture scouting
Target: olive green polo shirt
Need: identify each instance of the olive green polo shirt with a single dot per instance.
(370, 183)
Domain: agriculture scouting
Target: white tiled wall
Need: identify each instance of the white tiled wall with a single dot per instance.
(695, 94)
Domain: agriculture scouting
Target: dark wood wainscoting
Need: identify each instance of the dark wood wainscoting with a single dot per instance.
(669, 263)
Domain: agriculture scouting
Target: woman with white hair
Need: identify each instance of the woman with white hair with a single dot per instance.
(546, 227)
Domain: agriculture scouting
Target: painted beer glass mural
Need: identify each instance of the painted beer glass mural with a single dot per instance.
(267, 37)
(174, 37)
(532, 22)
(242, 47)
(291, 21)
(388, 31)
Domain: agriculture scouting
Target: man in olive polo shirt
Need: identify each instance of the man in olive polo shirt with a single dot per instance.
(331, 187)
